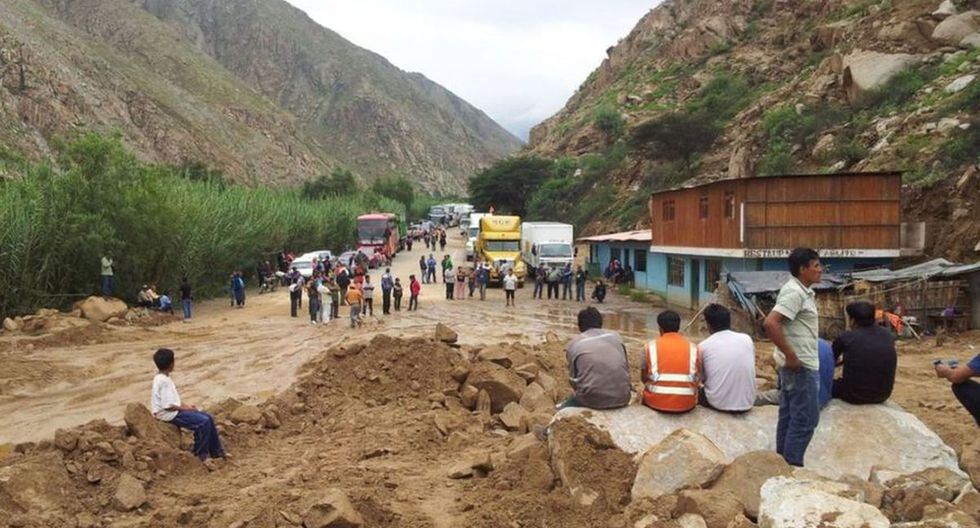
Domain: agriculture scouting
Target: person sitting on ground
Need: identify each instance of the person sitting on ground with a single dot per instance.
(598, 367)
(669, 368)
(966, 390)
(599, 292)
(166, 406)
(166, 304)
(727, 364)
(868, 354)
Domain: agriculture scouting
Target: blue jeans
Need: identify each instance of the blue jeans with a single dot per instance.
(186, 305)
(799, 412)
(206, 440)
(580, 291)
(107, 281)
(538, 288)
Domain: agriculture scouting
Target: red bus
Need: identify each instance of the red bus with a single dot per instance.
(379, 231)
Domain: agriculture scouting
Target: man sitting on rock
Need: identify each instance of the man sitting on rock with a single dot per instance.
(669, 368)
(598, 367)
(166, 406)
(727, 365)
(869, 358)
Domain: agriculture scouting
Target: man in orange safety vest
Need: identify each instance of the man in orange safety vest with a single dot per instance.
(669, 368)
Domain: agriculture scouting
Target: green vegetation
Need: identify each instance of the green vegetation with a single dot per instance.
(609, 121)
(340, 182)
(676, 136)
(57, 221)
(508, 184)
(397, 188)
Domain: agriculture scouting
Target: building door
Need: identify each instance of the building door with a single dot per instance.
(695, 283)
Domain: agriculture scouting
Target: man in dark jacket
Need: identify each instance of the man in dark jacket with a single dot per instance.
(867, 352)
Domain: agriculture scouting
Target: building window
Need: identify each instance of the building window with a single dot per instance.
(626, 257)
(668, 210)
(703, 208)
(712, 274)
(641, 260)
(729, 204)
(675, 271)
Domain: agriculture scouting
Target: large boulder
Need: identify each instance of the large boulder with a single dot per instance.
(849, 440)
(800, 503)
(745, 476)
(906, 497)
(970, 461)
(130, 493)
(503, 385)
(332, 509)
(100, 309)
(865, 71)
(445, 334)
(247, 414)
(684, 459)
(141, 424)
(955, 28)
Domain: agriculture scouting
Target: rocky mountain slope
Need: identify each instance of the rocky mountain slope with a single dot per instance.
(256, 89)
(790, 86)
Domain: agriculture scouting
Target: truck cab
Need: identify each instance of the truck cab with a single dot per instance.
(499, 245)
(547, 244)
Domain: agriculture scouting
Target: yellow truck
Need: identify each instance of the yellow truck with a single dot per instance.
(499, 245)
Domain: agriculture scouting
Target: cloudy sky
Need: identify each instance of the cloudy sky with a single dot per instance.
(517, 60)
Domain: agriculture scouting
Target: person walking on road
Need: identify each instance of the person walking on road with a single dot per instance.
(423, 267)
(414, 289)
(107, 277)
(185, 298)
(367, 289)
(442, 240)
(510, 287)
(387, 283)
(482, 279)
(581, 277)
(396, 291)
(460, 293)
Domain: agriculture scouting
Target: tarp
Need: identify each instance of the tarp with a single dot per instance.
(750, 282)
(937, 268)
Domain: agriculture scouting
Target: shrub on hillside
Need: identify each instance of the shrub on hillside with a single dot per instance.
(608, 119)
(340, 182)
(508, 184)
(676, 135)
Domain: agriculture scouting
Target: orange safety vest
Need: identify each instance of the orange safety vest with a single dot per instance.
(672, 374)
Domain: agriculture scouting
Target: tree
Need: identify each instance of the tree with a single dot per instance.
(340, 182)
(398, 188)
(608, 119)
(676, 135)
(507, 185)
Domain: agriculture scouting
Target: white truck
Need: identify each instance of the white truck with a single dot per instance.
(548, 244)
(473, 231)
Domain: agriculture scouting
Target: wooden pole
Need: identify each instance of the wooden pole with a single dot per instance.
(695, 318)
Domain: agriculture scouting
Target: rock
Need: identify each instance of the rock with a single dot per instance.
(65, 439)
(248, 414)
(795, 503)
(468, 396)
(907, 496)
(270, 419)
(955, 28)
(970, 41)
(741, 521)
(865, 71)
(10, 325)
(483, 403)
(522, 446)
(460, 470)
(684, 459)
(690, 520)
(502, 385)
(99, 309)
(35, 484)
(445, 334)
(959, 84)
(900, 441)
(460, 372)
(946, 9)
(901, 31)
(332, 509)
(745, 476)
(536, 400)
(514, 417)
(824, 145)
(946, 124)
(969, 502)
(495, 355)
(717, 508)
(589, 464)
(528, 371)
(141, 424)
(130, 493)
(970, 457)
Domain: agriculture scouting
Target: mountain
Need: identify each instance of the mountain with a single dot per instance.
(709, 89)
(255, 88)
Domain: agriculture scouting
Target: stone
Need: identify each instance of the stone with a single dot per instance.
(100, 310)
(741, 521)
(522, 446)
(483, 403)
(796, 503)
(37, 483)
(460, 372)
(514, 417)
(746, 474)
(969, 503)
(716, 507)
(901, 31)
(955, 28)
(899, 441)
(10, 325)
(501, 384)
(65, 439)
(946, 9)
(865, 71)
(141, 424)
(445, 334)
(528, 371)
(332, 509)
(590, 466)
(468, 396)
(495, 355)
(906, 497)
(684, 459)
(970, 41)
(460, 470)
(959, 84)
(536, 400)
(270, 419)
(970, 456)
(946, 124)
(129, 494)
(824, 145)
(247, 414)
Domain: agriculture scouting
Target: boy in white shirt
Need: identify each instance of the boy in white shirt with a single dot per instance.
(166, 406)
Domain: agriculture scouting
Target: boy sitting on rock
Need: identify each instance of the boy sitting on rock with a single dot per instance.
(166, 406)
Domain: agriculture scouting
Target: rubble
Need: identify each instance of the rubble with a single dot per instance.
(684, 459)
(332, 509)
(746, 474)
(130, 493)
(501, 384)
(794, 503)
(445, 334)
(100, 309)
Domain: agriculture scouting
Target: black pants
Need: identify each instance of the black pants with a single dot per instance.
(968, 393)
(509, 296)
(334, 309)
(398, 303)
(386, 302)
(294, 297)
(553, 288)
(847, 393)
(413, 303)
(449, 290)
(368, 307)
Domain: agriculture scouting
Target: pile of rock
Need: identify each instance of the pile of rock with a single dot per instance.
(44, 320)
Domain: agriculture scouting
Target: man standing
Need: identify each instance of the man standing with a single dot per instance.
(414, 289)
(387, 283)
(539, 278)
(185, 298)
(482, 279)
(669, 368)
(431, 264)
(422, 268)
(367, 292)
(510, 286)
(107, 276)
(598, 368)
(554, 279)
(793, 326)
(727, 364)
(566, 283)
(869, 358)
(581, 277)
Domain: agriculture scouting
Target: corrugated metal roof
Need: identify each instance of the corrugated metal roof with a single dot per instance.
(933, 268)
(625, 236)
(771, 281)
(699, 182)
